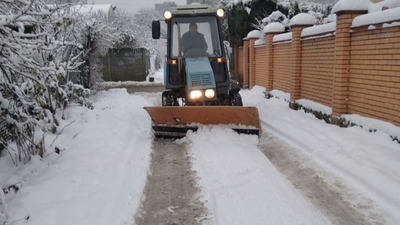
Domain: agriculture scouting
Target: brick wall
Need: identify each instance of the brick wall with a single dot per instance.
(317, 70)
(374, 82)
(354, 70)
(281, 67)
(261, 65)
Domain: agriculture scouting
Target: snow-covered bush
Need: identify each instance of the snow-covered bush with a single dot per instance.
(33, 39)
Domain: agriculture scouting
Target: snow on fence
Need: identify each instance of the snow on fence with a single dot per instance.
(347, 65)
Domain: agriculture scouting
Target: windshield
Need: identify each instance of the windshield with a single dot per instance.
(199, 36)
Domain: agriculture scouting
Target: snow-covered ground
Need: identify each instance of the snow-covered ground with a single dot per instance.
(101, 169)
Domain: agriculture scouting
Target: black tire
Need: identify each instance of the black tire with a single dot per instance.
(236, 99)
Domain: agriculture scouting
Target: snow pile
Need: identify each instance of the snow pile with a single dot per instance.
(254, 34)
(303, 19)
(97, 171)
(274, 27)
(344, 5)
(315, 106)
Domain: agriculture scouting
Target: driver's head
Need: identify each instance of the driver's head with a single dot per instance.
(193, 28)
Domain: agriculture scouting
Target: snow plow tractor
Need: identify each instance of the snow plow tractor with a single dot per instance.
(196, 78)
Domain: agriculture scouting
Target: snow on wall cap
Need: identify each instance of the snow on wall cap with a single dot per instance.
(274, 27)
(303, 19)
(351, 5)
(377, 17)
(254, 34)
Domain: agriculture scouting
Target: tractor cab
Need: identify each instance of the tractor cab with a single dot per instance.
(196, 66)
(199, 36)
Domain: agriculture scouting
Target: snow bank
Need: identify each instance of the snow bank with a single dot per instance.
(99, 173)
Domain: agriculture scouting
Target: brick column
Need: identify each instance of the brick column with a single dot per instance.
(245, 63)
(269, 62)
(252, 63)
(296, 62)
(269, 37)
(342, 61)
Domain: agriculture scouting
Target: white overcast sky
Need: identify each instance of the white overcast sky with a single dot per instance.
(134, 5)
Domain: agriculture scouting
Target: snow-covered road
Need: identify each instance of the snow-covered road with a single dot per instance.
(100, 175)
(240, 185)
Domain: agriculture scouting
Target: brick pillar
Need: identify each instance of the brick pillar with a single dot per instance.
(245, 63)
(252, 63)
(296, 62)
(269, 85)
(342, 61)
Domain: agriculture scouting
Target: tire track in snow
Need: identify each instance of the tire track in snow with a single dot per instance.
(171, 192)
(334, 199)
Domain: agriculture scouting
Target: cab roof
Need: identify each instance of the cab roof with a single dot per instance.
(194, 8)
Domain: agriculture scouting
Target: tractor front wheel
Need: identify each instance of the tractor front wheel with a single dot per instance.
(236, 99)
(168, 98)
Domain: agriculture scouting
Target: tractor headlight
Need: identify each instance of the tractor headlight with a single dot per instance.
(195, 94)
(167, 15)
(210, 93)
(220, 13)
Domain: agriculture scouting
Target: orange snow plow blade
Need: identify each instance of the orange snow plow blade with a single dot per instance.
(175, 121)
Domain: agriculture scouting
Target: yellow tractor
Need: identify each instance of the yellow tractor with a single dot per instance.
(196, 78)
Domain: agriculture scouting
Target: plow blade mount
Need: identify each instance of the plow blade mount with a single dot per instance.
(175, 121)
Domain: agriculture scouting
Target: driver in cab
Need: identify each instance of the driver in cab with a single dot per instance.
(193, 39)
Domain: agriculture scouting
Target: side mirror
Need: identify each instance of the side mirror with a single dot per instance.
(155, 29)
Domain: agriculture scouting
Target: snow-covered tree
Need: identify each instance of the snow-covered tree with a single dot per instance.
(257, 14)
(98, 34)
(143, 19)
(31, 75)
